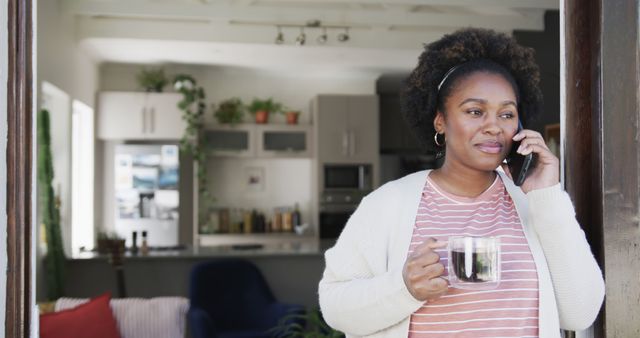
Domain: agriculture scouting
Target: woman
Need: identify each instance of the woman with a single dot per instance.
(385, 276)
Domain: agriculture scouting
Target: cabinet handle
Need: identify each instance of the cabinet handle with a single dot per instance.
(152, 120)
(345, 143)
(144, 120)
(352, 143)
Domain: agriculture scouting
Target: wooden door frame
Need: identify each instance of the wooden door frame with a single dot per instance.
(583, 101)
(582, 149)
(601, 157)
(19, 163)
(582, 142)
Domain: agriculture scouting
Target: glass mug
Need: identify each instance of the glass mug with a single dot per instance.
(474, 262)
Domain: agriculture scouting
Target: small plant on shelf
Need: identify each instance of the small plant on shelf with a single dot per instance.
(291, 116)
(230, 111)
(152, 79)
(108, 242)
(262, 108)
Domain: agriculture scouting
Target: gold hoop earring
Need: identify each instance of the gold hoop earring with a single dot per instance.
(435, 138)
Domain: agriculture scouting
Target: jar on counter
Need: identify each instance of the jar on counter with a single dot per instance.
(224, 221)
(276, 223)
(236, 221)
(287, 221)
(248, 222)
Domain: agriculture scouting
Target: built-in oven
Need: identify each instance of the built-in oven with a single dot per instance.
(343, 187)
(333, 218)
(335, 209)
(347, 177)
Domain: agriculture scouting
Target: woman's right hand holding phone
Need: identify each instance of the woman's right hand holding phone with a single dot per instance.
(422, 272)
(546, 172)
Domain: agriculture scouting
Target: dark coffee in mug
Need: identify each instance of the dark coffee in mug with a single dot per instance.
(474, 262)
(480, 266)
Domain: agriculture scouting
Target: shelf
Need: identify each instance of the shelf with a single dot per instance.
(257, 238)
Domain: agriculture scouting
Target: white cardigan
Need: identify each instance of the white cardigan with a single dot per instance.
(362, 292)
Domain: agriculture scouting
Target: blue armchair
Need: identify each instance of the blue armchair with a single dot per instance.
(231, 299)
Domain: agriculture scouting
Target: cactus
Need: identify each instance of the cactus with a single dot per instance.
(55, 258)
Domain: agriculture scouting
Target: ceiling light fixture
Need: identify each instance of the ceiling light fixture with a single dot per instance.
(302, 38)
(280, 36)
(322, 39)
(344, 37)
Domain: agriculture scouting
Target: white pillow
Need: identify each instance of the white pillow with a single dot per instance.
(143, 318)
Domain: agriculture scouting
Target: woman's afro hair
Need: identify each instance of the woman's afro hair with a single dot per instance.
(420, 99)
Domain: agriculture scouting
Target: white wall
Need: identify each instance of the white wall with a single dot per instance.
(293, 89)
(60, 60)
(4, 66)
(62, 63)
(286, 182)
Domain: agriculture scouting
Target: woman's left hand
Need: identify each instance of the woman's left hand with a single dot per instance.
(546, 170)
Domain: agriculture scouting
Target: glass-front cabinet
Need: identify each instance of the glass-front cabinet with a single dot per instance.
(230, 141)
(284, 141)
(259, 141)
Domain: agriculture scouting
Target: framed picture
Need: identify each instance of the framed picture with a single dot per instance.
(552, 138)
(254, 179)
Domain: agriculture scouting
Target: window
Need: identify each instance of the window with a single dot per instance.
(82, 146)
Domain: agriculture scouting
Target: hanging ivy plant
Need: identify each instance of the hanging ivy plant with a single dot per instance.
(193, 108)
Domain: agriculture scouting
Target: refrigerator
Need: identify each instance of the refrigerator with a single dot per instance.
(146, 193)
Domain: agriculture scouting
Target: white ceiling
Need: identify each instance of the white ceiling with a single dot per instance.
(385, 35)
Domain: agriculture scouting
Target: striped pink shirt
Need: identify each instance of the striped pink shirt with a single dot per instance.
(511, 310)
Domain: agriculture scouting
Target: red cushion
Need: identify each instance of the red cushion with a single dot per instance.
(93, 319)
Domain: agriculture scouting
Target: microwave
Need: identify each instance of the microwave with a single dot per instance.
(348, 177)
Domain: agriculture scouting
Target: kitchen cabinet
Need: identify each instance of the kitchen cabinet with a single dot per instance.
(259, 141)
(347, 128)
(284, 141)
(346, 132)
(230, 141)
(139, 116)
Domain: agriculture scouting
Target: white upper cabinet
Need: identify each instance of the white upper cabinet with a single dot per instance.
(165, 119)
(347, 128)
(139, 116)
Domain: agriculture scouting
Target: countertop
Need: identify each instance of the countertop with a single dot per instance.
(288, 249)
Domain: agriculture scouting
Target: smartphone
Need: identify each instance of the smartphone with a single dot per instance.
(519, 165)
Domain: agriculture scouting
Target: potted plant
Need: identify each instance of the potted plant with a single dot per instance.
(152, 80)
(261, 109)
(230, 111)
(292, 116)
(312, 326)
(109, 242)
(49, 206)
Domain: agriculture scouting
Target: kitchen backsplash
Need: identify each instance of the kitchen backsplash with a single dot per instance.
(261, 184)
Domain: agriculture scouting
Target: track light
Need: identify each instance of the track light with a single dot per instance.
(344, 37)
(302, 38)
(322, 39)
(279, 37)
